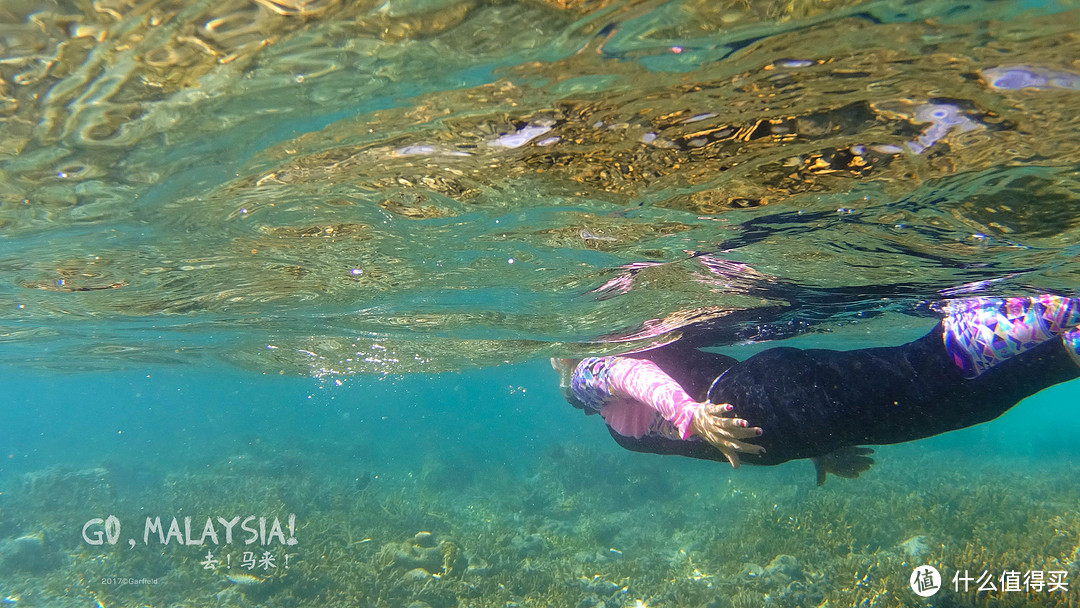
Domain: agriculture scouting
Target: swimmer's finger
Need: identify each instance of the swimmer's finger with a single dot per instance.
(728, 443)
(742, 433)
(718, 409)
(729, 438)
(738, 428)
(732, 457)
(746, 448)
(724, 414)
(731, 449)
(731, 423)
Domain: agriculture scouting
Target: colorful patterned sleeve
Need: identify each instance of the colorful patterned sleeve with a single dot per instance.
(982, 332)
(598, 381)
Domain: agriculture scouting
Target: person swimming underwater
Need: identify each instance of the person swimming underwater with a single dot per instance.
(984, 357)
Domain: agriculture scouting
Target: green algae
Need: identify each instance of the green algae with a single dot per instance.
(580, 527)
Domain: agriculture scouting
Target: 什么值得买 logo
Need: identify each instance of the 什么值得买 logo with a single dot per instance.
(925, 581)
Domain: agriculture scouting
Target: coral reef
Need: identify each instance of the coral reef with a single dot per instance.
(28, 553)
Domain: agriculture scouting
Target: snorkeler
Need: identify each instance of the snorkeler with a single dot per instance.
(983, 358)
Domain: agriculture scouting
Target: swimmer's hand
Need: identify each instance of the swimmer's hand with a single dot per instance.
(711, 423)
(847, 462)
(565, 369)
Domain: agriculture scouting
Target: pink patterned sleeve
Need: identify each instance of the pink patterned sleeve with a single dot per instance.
(644, 382)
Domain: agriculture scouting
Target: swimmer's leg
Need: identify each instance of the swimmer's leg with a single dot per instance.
(847, 462)
(980, 333)
(1072, 344)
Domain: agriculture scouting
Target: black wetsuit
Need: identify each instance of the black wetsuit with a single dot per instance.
(812, 402)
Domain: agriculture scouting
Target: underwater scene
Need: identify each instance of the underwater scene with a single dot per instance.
(310, 303)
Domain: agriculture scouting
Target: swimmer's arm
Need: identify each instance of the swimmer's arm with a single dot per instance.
(644, 382)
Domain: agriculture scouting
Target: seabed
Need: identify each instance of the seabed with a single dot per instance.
(583, 528)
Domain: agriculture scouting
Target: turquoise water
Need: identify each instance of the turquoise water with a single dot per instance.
(307, 261)
(376, 458)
